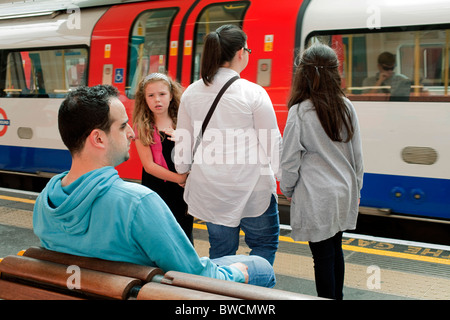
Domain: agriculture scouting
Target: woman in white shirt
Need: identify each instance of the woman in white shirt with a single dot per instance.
(231, 184)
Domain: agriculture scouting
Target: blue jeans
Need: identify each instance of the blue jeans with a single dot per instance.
(261, 235)
(329, 267)
(260, 272)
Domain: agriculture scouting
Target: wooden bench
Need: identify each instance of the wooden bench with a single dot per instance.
(40, 274)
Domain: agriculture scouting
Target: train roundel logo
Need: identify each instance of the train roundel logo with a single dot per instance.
(3, 122)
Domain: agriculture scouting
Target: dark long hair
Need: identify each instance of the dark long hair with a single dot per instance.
(317, 78)
(220, 47)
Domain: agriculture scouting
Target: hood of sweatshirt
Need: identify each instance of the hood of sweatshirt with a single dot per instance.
(69, 208)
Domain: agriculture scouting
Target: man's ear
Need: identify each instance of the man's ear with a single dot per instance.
(97, 138)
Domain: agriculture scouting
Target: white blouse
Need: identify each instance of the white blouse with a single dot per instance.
(232, 175)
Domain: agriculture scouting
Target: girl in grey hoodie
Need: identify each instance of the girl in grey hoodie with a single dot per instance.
(322, 165)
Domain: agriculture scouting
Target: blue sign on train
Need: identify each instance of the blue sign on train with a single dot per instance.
(118, 75)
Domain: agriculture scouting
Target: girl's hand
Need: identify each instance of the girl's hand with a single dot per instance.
(170, 133)
(182, 181)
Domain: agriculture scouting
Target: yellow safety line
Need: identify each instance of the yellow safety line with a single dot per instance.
(200, 226)
(397, 254)
(381, 252)
(17, 199)
(364, 250)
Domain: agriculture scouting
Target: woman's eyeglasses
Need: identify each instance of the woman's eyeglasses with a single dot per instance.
(248, 50)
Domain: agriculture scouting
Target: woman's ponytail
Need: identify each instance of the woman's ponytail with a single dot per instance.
(211, 57)
(220, 47)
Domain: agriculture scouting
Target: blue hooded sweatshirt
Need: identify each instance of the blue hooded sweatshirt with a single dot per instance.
(100, 215)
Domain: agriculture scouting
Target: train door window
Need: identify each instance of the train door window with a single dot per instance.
(44, 73)
(149, 46)
(209, 20)
(411, 65)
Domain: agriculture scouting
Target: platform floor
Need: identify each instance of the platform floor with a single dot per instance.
(376, 269)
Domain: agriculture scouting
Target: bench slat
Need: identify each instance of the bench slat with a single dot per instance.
(229, 288)
(55, 274)
(157, 291)
(143, 273)
(16, 291)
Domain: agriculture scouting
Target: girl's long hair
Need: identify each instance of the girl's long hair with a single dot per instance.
(317, 78)
(143, 118)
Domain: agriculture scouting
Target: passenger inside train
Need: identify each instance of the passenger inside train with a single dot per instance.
(386, 80)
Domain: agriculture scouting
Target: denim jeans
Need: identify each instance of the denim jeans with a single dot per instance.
(261, 235)
(260, 272)
(329, 267)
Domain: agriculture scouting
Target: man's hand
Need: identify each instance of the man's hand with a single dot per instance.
(243, 268)
(383, 76)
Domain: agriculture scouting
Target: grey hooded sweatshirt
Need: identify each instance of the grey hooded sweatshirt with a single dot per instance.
(323, 177)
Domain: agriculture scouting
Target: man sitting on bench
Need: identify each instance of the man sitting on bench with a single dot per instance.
(90, 211)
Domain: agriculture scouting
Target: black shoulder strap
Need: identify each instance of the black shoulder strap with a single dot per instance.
(216, 101)
(211, 111)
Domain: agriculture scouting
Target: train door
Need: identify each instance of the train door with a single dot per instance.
(130, 41)
(207, 16)
(270, 29)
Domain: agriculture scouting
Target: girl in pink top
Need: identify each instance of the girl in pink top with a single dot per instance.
(155, 118)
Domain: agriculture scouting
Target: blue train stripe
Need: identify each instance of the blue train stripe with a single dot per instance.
(33, 160)
(419, 196)
(428, 197)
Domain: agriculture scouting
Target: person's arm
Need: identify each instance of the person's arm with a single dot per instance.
(156, 232)
(145, 154)
(266, 126)
(357, 152)
(291, 157)
(183, 138)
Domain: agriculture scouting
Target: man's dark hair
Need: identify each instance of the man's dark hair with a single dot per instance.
(386, 58)
(83, 110)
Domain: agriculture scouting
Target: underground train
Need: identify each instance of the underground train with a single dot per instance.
(48, 48)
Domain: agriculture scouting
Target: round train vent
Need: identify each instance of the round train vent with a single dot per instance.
(419, 155)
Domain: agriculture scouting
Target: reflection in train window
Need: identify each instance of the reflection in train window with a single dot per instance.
(209, 20)
(44, 73)
(149, 46)
(393, 66)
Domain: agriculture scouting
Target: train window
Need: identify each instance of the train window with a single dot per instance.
(209, 20)
(411, 65)
(149, 46)
(43, 73)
